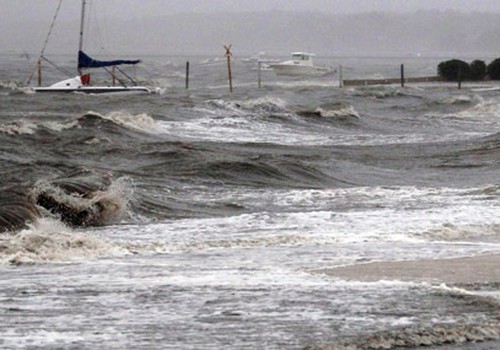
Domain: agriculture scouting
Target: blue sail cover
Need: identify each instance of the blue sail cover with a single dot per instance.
(85, 61)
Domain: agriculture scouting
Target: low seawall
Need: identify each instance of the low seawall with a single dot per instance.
(362, 82)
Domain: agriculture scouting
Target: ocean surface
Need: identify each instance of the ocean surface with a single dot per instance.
(205, 214)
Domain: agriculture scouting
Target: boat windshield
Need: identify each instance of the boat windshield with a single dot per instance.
(300, 57)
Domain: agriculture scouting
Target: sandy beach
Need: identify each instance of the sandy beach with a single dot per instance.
(478, 270)
(470, 273)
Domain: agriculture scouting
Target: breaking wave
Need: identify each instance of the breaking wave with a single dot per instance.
(266, 106)
(141, 121)
(377, 91)
(337, 110)
(78, 201)
(18, 128)
(451, 232)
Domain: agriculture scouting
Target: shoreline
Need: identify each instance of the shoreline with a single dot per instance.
(469, 273)
(464, 271)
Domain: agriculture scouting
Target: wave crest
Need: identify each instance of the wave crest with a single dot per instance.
(450, 232)
(19, 128)
(141, 122)
(335, 111)
(83, 203)
(80, 200)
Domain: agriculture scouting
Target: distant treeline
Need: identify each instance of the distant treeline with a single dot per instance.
(457, 70)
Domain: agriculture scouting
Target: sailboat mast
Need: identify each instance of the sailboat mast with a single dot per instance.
(82, 24)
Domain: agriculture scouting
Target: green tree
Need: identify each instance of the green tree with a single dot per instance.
(493, 69)
(477, 70)
(453, 70)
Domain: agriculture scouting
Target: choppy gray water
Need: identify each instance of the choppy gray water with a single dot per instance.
(220, 205)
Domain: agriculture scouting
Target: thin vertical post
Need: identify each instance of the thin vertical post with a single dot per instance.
(259, 79)
(82, 27)
(39, 72)
(341, 79)
(459, 78)
(113, 74)
(187, 75)
(228, 56)
(402, 75)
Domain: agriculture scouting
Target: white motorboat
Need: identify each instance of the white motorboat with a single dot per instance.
(81, 82)
(301, 64)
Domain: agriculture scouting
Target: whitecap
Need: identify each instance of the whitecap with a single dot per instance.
(343, 112)
(141, 121)
(48, 240)
(19, 128)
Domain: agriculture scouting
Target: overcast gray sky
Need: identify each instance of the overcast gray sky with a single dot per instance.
(124, 9)
(153, 26)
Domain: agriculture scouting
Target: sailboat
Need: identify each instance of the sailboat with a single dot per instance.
(81, 82)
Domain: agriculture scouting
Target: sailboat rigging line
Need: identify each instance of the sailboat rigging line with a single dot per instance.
(114, 75)
(92, 19)
(69, 74)
(47, 38)
(128, 76)
(51, 27)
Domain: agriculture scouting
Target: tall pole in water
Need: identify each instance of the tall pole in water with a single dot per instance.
(402, 75)
(341, 79)
(82, 24)
(228, 56)
(39, 72)
(259, 78)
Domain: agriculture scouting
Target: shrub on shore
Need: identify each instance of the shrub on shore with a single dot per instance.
(493, 69)
(478, 70)
(455, 70)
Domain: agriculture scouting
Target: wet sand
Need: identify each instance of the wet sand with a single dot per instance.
(467, 273)
(478, 270)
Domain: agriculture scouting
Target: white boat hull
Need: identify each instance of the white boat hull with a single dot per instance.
(96, 89)
(75, 85)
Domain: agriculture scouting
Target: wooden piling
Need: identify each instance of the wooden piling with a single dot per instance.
(459, 78)
(187, 75)
(39, 73)
(228, 56)
(402, 75)
(341, 80)
(259, 78)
